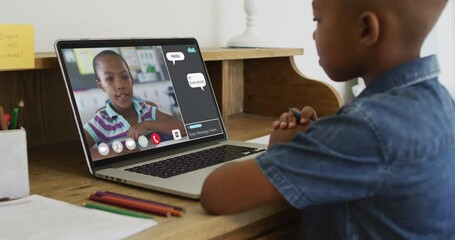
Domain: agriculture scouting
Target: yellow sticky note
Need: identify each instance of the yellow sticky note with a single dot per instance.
(17, 46)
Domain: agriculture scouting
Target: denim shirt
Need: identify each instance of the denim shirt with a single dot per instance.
(383, 167)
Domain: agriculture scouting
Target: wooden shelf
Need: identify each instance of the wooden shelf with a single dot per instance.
(216, 54)
(48, 60)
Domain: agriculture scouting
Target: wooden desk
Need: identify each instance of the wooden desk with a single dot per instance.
(250, 85)
(59, 171)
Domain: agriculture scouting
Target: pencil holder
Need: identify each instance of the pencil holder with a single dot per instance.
(14, 181)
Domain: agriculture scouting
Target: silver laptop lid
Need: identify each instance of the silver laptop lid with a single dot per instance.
(138, 97)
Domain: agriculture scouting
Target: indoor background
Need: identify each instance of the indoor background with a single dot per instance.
(286, 23)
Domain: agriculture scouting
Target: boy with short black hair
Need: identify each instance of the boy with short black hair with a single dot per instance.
(382, 167)
(124, 115)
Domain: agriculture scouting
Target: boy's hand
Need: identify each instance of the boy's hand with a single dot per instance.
(284, 135)
(137, 130)
(289, 120)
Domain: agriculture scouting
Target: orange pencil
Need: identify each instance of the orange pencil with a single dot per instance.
(173, 212)
(3, 125)
(114, 202)
(101, 193)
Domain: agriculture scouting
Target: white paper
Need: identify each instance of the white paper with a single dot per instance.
(260, 140)
(37, 217)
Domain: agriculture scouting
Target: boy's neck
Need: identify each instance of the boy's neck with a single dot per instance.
(388, 58)
(128, 112)
(130, 115)
(125, 112)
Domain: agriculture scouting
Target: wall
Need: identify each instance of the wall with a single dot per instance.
(287, 23)
(441, 42)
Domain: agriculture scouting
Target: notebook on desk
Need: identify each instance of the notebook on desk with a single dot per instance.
(146, 112)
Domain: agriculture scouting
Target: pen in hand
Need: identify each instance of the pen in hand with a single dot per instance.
(298, 114)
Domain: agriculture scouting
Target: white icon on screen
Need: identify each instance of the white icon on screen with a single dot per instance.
(196, 80)
(117, 146)
(143, 141)
(103, 149)
(176, 134)
(175, 56)
(130, 144)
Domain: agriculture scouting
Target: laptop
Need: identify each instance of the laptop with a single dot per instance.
(146, 112)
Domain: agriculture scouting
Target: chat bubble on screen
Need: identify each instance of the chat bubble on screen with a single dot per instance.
(175, 56)
(196, 80)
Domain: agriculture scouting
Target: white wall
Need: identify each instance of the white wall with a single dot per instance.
(441, 42)
(287, 23)
(54, 19)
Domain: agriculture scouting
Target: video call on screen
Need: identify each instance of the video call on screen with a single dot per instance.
(172, 77)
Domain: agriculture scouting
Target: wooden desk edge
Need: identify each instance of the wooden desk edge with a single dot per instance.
(217, 54)
(204, 226)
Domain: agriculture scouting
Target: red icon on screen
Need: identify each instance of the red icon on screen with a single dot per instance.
(155, 138)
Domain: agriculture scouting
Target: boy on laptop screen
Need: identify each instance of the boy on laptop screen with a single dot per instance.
(125, 119)
(126, 98)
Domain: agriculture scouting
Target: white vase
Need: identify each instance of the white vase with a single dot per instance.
(251, 37)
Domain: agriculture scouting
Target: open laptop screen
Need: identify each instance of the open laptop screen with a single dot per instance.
(138, 97)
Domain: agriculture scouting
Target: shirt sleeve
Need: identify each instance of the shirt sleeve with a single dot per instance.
(338, 159)
(89, 128)
(153, 111)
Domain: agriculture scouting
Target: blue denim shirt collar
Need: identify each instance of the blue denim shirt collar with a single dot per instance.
(410, 73)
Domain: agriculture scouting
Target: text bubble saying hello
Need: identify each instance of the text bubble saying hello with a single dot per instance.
(196, 80)
(175, 56)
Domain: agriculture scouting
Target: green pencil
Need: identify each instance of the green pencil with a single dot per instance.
(14, 118)
(117, 210)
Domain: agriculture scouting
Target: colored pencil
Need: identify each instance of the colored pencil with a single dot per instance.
(20, 114)
(3, 124)
(14, 118)
(133, 206)
(117, 210)
(141, 200)
(173, 212)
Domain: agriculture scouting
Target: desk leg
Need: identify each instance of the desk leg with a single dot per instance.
(227, 81)
(232, 88)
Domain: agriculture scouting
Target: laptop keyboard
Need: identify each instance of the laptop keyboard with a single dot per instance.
(190, 162)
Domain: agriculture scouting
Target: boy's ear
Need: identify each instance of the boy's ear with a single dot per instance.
(100, 86)
(370, 28)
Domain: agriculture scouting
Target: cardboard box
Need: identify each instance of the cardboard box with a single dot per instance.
(14, 180)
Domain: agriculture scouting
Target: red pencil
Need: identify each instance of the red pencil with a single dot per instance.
(157, 210)
(100, 193)
(128, 206)
(173, 212)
